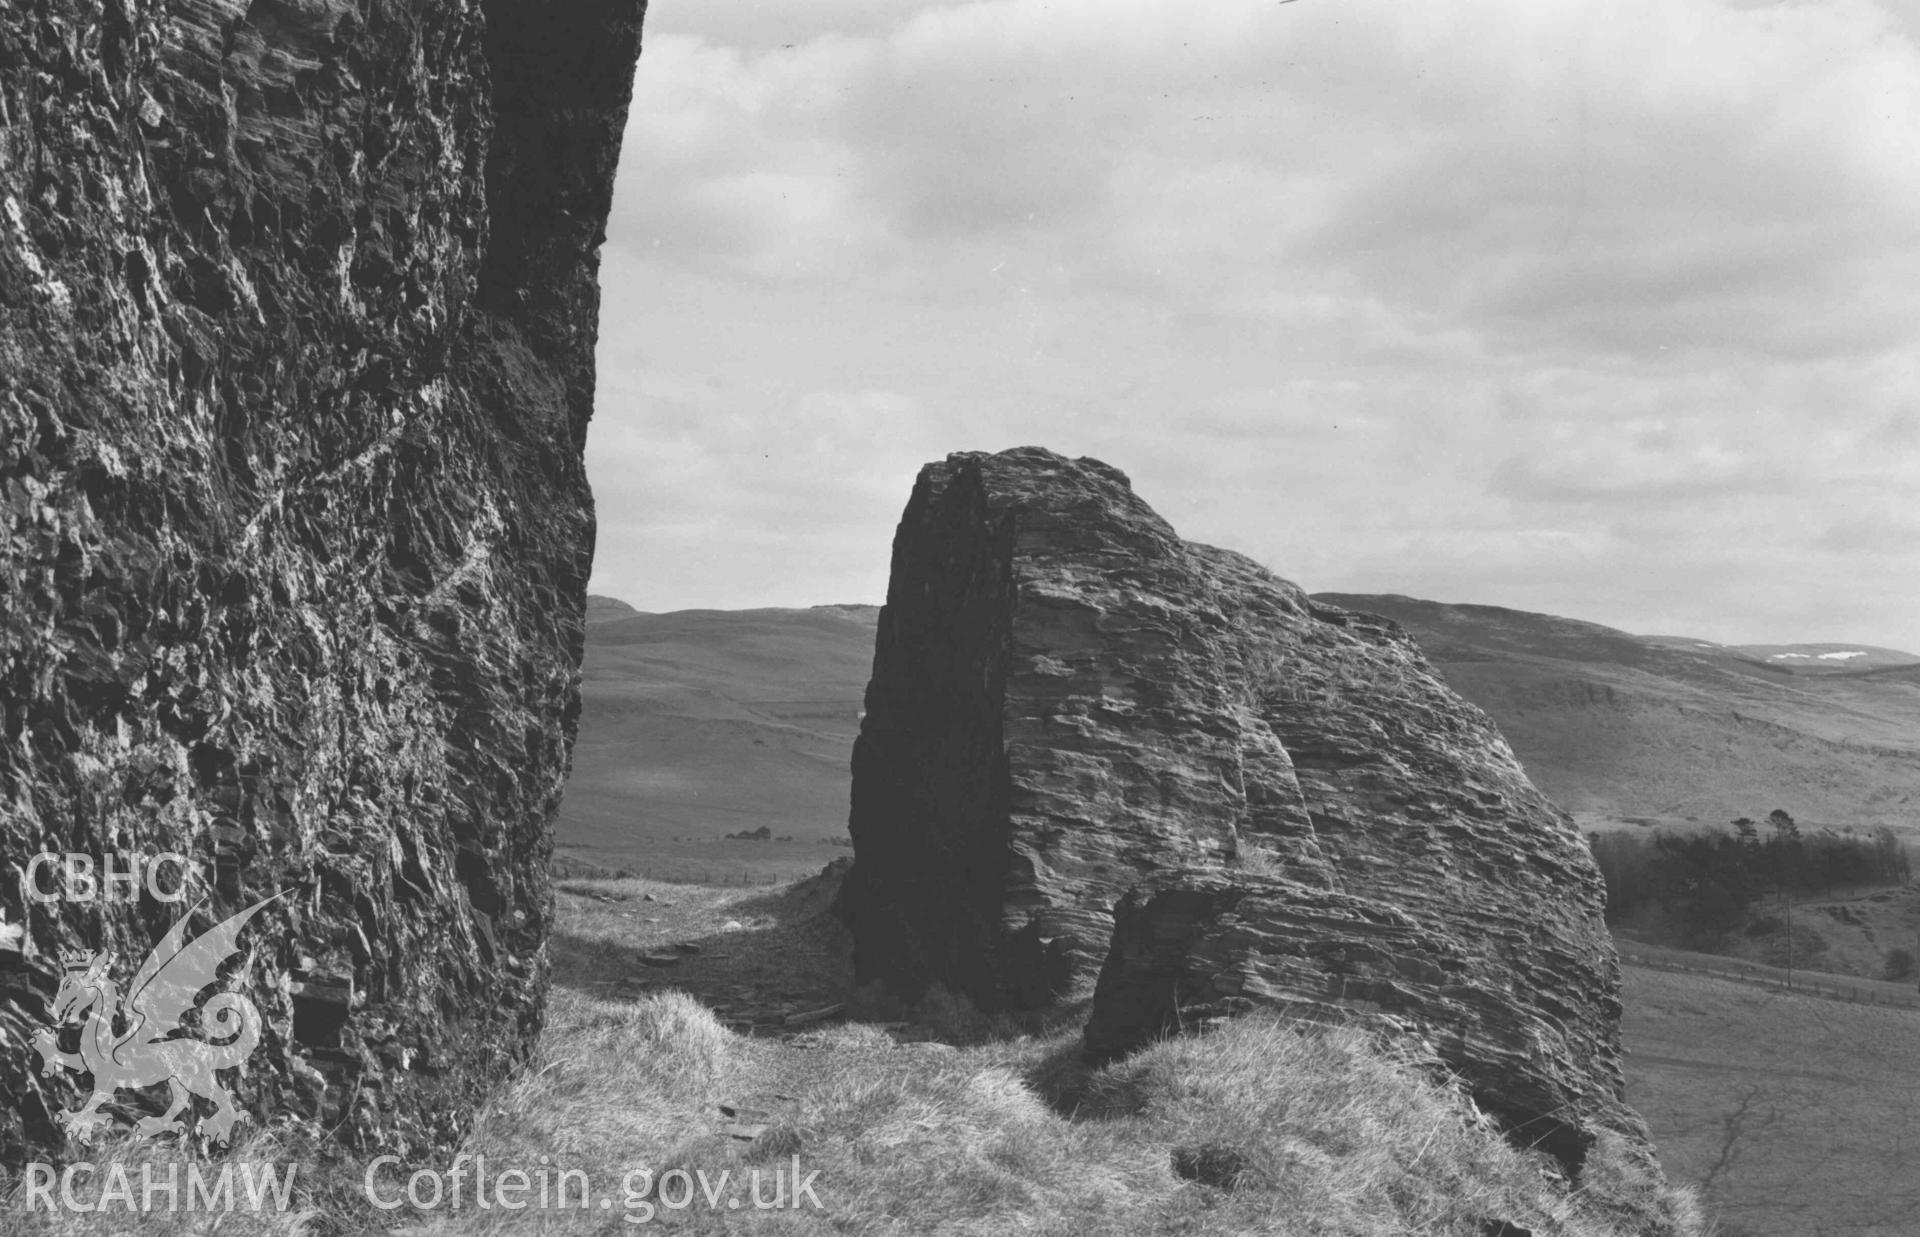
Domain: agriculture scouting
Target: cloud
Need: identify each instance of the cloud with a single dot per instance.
(1884, 534)
(1509, 295)
(1676, 172)
(1627, 472)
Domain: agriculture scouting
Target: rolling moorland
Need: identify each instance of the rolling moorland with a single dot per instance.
(745, 720)
(702, 723)
(1673, 731)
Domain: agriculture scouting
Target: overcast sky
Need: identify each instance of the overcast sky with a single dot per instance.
(1609, 310)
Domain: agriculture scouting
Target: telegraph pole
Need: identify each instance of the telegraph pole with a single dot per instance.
(1786, 900)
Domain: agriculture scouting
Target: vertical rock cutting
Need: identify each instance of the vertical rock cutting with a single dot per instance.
(297, 313)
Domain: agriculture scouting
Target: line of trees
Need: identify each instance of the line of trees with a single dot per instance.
(1710, 879)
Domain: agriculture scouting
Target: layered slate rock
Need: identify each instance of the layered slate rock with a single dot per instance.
(1073, 709)
(1192, 948)
(1059, 706)
(297, 311)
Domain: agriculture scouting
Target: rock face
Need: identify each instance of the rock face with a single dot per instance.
(297, 310)
(1072, 709)
(1190, 948)
(1052, 716)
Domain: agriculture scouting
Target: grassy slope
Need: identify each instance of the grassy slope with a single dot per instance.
(1849, 935)
(951, 1123)
(1619, 728)
(1796, 1115)
(701, 723)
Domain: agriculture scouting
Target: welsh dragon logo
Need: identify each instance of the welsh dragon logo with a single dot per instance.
(163, 990)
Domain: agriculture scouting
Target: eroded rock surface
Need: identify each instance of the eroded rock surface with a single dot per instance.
(297, 310)
(1059, 706)
(1521, 1028)
(1069, 702)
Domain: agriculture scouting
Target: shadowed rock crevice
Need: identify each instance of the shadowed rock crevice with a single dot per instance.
(931, 753)
(297, 309)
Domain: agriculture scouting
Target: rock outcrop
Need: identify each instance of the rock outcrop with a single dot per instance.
(297, 310)
(1073, 709)
(1520, 1029)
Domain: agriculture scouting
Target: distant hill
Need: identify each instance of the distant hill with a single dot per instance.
(1826, 658)
(1671, 730)
(608, 609)
(700, 723)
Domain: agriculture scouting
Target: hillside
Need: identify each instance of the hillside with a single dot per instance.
(1777, 1105)
(1629, 729)
(1799, 658)
(700, 723)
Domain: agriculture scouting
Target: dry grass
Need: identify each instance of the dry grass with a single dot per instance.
(1323, 1133)
(1339, 1136)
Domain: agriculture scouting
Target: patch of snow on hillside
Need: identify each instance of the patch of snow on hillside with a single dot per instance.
(1841, 656)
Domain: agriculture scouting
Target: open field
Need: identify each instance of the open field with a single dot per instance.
(702, 723)
(1796, 1116)
(1809, 983)
(1849, 936)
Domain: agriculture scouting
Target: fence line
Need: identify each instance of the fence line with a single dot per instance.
(1826, 988)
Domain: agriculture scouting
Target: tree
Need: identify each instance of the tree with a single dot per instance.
(1626, 863)
(1890, 860)
(1784, 857)
(1707, 881)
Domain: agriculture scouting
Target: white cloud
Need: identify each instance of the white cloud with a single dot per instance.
(1569, 305)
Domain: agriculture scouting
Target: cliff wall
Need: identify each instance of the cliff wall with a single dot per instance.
(297, 312)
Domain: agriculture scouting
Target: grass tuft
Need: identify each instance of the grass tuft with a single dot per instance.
(956, 1123)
